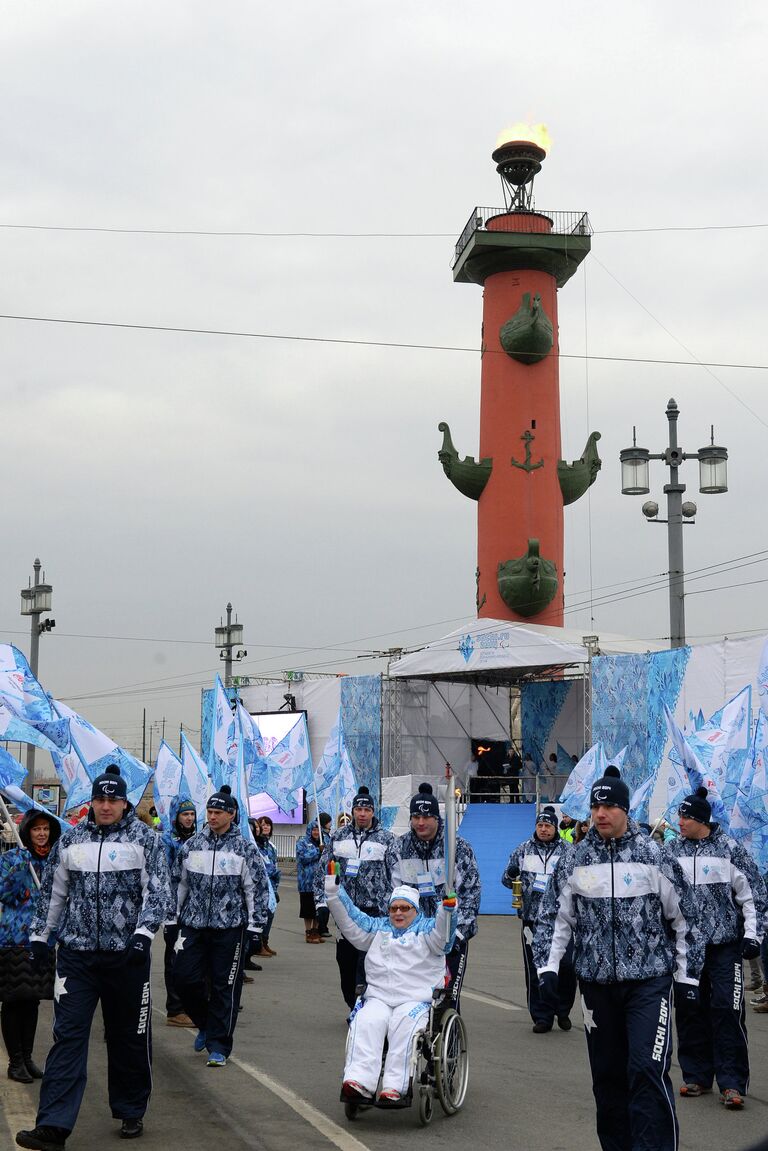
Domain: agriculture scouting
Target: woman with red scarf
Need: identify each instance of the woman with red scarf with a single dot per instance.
(23, 985)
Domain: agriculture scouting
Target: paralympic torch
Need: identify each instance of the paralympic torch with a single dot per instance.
(450, 832)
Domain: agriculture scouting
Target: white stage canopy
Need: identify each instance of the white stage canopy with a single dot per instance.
(499, 649)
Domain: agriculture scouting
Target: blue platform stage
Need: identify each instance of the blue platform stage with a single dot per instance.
(494, 830)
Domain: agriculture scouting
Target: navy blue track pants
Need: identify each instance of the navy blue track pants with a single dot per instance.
(566, 984)
(208, 974)
(712, 1040)
(629, 1040)
(83, 978)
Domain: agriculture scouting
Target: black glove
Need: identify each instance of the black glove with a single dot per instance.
(138, 950)
(686, 997)
(750, 949)
(277, 897)
(38, 952)
(548, 988)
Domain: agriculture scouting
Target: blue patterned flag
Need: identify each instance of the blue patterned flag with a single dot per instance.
(23, 802)
(19, 687)
(26, 714)
(721, 743)
(565, 764)
(285, 768)
(334, 777)
(227, 744)
(641, 799)
(686, 753)
(11, 771)
(196, 782)
(166, 785)
(674, 778)
(762, 678)
(749, 819)
(92, 752)
(618, 759)
(575, 797)
(49, 734)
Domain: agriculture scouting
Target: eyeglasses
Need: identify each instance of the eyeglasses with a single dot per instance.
(400, 907)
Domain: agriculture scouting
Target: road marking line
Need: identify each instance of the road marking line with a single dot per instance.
(332, 1131)
(502, 1003)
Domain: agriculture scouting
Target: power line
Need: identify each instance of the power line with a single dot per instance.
(648, 585)
(225, 233)
(664, 328)
(366, 343)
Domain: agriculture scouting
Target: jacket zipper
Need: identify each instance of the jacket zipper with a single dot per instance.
(613, 916)
(213, 871)
(98, 890)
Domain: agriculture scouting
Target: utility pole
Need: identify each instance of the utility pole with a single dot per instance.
(35, 599)
(226, 637)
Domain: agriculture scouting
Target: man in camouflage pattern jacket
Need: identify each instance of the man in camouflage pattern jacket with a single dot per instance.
(105, 893)
(633, 916)
(730, 894)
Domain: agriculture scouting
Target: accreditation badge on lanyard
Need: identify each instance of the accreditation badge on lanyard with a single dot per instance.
(540, 882)
(353, 866)
(425, 883)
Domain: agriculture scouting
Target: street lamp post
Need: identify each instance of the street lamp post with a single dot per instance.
(228, 636)
(35, 599)
(713, 479)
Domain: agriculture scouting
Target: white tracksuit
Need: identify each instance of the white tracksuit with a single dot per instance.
(401, 968)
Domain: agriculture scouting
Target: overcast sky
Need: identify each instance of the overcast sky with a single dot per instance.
(159, 474)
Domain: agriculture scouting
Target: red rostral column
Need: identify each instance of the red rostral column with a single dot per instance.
(521, 484)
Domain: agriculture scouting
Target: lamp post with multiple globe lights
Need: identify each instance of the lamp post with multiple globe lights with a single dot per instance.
(713, 480)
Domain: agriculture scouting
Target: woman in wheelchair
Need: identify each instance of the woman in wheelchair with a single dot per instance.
(404, 962)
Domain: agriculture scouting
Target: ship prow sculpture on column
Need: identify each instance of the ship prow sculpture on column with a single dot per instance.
(521, 257)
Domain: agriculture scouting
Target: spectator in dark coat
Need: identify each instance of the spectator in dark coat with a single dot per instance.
(22, 985)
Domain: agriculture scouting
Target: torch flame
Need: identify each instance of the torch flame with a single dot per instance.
(535, 133)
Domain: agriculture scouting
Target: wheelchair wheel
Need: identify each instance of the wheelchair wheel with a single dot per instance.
(451, 1063)
(426, 1105)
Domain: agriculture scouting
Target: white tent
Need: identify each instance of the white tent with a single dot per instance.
(499, 649)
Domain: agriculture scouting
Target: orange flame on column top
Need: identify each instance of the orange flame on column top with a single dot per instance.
(535, 133)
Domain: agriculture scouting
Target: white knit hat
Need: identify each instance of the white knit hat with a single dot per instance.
(409, 894)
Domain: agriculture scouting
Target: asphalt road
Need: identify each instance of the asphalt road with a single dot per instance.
(280, 1091)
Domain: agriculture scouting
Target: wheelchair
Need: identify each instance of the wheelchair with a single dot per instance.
(439, 1065)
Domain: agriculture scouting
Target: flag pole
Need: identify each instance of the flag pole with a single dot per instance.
(317, 810)
(14, 828)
